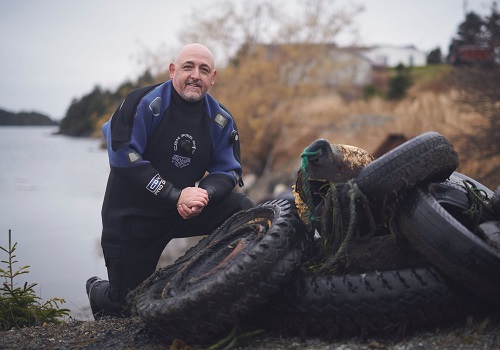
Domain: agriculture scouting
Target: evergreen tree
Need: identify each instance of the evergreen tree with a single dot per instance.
(435, 56)
(472, 31)
(399, 84)
(492, 24)
(477, 31)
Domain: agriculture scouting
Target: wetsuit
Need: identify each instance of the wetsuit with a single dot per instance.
(158, 144)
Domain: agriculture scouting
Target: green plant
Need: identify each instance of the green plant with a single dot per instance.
(399, 83)
(20, 306)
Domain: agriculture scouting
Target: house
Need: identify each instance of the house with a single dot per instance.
(333, 66)
(391, 56)
(326, 64)
(472, 54)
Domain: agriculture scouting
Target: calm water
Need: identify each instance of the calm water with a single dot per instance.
(51, 190)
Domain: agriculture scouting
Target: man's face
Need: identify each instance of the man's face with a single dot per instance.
(193, 72)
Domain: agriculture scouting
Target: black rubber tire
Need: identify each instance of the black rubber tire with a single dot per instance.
(373, 303)
(425, 158)
(495, 202)
(458, 178)
(432, 218)
(237, 267)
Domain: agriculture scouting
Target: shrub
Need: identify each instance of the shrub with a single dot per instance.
(20, 306)
(399, 84)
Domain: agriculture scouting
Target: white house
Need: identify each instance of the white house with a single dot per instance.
(391, 56)
(326, 64)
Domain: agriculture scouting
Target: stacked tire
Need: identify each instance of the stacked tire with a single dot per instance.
(436, 219)
(209, 290)
(251, 271)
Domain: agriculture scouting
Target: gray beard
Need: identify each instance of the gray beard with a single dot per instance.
(192, 97)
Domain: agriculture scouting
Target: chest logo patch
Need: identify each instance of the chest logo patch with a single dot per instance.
(185, 144)
(184, 148)
(180, 161)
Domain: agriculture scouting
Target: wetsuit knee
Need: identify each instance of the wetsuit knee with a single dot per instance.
(240, 201)
(247, 203)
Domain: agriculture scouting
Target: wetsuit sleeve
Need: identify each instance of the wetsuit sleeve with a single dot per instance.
(217, 186)
(126, 160)
(224, 168)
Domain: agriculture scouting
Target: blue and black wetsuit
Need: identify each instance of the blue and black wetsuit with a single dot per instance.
(158, 144)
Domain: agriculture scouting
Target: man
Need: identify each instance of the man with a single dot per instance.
(162, 140)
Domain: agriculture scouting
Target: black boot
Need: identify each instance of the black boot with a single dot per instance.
(97, 312)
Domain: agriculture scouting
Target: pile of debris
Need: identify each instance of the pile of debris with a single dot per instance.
(367, 246)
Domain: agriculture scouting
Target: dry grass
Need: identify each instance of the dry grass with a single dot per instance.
(366, 124)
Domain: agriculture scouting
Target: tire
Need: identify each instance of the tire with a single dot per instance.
(234, 269)
(364, 304)
(433, 219)
(495, 202)
(458, 178)
(425, 158)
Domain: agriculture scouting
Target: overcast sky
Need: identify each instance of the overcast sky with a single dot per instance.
(55, 50)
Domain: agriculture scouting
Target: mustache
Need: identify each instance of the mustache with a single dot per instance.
(193, 82)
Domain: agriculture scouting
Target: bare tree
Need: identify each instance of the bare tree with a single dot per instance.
(230, 26)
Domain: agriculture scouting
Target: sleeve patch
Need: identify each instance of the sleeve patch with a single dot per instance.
(156, 184)
(155, 106)
(134, 157)
(220, 120)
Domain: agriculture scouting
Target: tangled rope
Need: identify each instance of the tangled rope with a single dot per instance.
(478, 199)
(334, 239)
(355, 197)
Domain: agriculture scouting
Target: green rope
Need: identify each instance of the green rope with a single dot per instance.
(334, 238)
(479, 199)
(332, 229)
(354, 195)
(305, 186)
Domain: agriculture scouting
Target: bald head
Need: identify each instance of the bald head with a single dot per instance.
(195, 50)
(193, 72)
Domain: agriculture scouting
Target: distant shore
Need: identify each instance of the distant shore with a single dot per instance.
(24, 119)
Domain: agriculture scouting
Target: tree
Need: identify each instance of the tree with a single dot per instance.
(83, 113)
(478, 90)
(86, 115)
(492, 24)
(476, 31)
(234, 27)
(20, 306)
(435, 57)
(399, 83)
(472, 31)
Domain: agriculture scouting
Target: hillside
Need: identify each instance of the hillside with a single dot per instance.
(276, 121)
(432, 103)
(24, 118)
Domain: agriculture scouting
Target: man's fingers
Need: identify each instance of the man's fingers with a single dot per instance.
(188, 212)
(193, 197)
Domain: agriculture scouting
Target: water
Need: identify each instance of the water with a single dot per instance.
(51, 191)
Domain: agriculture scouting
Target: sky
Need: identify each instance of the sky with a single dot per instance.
(54, 51)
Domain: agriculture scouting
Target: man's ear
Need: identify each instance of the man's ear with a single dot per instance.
(213, 78)
(171, 69)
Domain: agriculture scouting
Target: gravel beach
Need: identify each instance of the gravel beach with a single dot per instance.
(478, 332)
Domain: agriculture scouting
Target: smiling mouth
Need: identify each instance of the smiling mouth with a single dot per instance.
(196, 85)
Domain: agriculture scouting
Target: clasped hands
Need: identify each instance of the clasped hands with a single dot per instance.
(191, 202)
